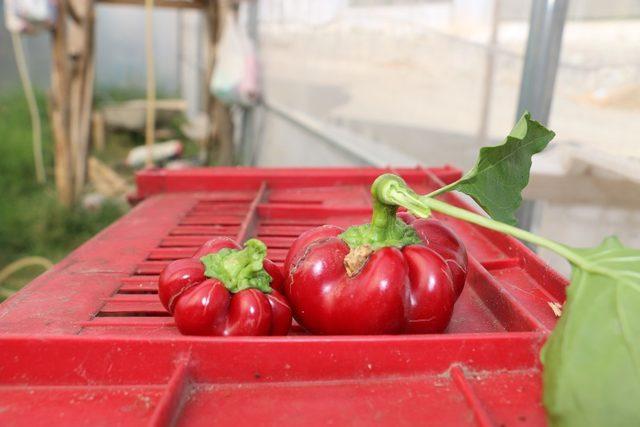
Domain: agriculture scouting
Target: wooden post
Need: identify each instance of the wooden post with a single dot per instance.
(81, 30)
(60, 109)
(220, 139)
(72, 95)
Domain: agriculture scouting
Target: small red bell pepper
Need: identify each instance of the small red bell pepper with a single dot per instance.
(398, 274)
(225, 290)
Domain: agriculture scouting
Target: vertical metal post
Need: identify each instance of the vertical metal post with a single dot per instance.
(541, 58)
(539, 74)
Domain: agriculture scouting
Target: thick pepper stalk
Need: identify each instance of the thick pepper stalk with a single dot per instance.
(397, 274)
(225, 290)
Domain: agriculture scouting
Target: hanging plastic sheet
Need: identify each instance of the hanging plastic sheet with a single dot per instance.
(29, 16)
(235, 74)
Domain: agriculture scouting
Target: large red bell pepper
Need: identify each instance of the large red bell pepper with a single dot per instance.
(226, 290)
(398, 274)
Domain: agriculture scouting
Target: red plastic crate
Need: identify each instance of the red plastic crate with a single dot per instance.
(89, 343)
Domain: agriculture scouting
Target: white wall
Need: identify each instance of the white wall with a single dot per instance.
(120, 60)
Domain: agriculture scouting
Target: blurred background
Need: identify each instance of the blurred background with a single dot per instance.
(343, 83)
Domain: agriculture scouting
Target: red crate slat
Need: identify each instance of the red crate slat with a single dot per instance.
(129, 321)
(143, 303)
(311, 211)
(150, 267)
(139, 284)
(212, 220)
(278, 242)
(308, 222)
(282, 230)
(171, 253)
(183, 241)
(219, 208)
(205, 230)
(226, 196)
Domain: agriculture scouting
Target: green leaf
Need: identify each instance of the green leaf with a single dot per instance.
(592, 358)
(239, 269)
(502, 171)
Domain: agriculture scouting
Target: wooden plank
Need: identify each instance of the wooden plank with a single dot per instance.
(98, 131)
(177, 4)
(106, 181)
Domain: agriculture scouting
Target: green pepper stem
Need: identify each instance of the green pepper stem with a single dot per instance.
(239, 269)
(491, 224)
(384, 230)
(383, 220)
(444, 189)
(392, 190)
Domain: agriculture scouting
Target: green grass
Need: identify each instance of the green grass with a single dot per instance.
(32, 222)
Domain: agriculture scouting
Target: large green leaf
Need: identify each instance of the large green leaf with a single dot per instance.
(592, 358)
(502, 171)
